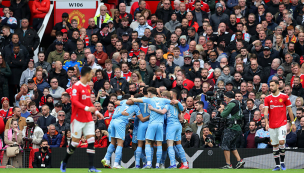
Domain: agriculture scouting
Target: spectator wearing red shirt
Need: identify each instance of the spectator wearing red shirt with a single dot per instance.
(39, 9)
(109, 113)
(101, 138)
(6, 111)
(83, 143)
(188, 84)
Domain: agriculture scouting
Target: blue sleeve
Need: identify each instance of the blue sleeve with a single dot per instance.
(166, 106)
(180, 106)
(122, 102)
(166, 101)
(137, 110)
(146, 100)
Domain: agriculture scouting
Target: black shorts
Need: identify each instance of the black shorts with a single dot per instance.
(229, 138)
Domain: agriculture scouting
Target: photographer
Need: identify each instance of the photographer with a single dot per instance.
(207, 140)
(232, 130)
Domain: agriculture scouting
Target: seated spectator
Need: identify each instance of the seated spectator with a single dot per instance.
(100, 55)
(42, 158)
(13, 136)
(92, 28)
(72, 62)
(16, 116)
(66, 139)
(190, 139)
(28, 73)
(8, 19)
(207, 140)
(61, 25)
(92, 63)
(99, 123)
(34, 113)
(101, 138)
(103, 17)
(61, 125)
(118, 82)
(50, 101)
(42, 63)
(55, 90)
(262, 136)
(32, 134)
(40, 82)
(47, 119)
(250, 136)
(56, 55)
(291, 137)
(300, 135)
(52, 137)
(199, 109)
(23, 106)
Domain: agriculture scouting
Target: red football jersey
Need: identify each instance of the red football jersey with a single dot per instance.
(80, 99)
(302, 80)
(277, 109)
(3, 113)
(145, 49)
(69, 91)
(127, 75)
(204, 7)
(109, 75)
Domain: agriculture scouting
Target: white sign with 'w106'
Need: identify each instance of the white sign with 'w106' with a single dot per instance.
(76, 5)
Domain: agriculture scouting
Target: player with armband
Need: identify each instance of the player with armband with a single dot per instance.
(81, 118)
(276, 104)
(120, 120)
(173, 129)
(155, 127)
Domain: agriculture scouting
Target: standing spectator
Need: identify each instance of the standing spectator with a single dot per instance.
(57, 108)
(28, 73)
(35, 114)
(61, 125)
(55, 90)
(92, 63)
(21, 121)
(92, 28)
(46, 120)
(12, 136)
(42, 63)
(21, 10)
(24, 94)
(39, 9)
(9, 20)
(32, 134)
(71, 45)
(61, 25)
(250, 135)
(52, 137)
(23, 106)
(5, 73)
(300, 134)
(28, 37)
(218, 17)
(42, 158)
(60, 74)
(197, 126)
(40, 82)
(100, 55)
(199, 107)
(165, 12)
(56, 55)
(6, 112)
(66, 106)
(118, 82)
(249, 112)
(103, 17)
(190, 139)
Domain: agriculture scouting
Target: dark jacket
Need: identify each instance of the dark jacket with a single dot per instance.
(5, 73)
(194, 92)
(62, 77)
(44, 122)
(291, 140)
(163, 14)
(67, 109)
(248, 76)
(21, 10)
(148, 75)
(162, 82)
(92, 30)
(16, 65)
(298, 49)
(38, 159)
(64, 127)
(216, 19)
(53, 142)
(30, 39)
(8, 51)
(248, 115)
(121, 30)
(204, 15)
(105, 40)
(120, 83)
(71, 45)
(193, 143)
(298, 90)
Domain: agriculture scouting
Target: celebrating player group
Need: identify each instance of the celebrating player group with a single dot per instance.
(156, 123)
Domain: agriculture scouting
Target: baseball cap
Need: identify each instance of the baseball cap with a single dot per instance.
(30, 81)
(266, 48)
(229, 82)
(188, 129)
(65, 15)
(29, 120)
(187, 55)
(59, 43)
(73, 52)
(229, 94)
(58, 104)
(110, 21)
(125, 34)
(218, 5)
(104, 25)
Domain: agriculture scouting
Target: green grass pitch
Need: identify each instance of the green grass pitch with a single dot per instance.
(82, 170)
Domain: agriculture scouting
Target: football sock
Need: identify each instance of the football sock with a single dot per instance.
(152, 152)
(110, 150)
(171, 155)
(182, 155)
(276, 155)
(143, 157)
(163, 157)
(282, 153)
(118, 154)
(91, 151)
(159, 153)
(176, 152)
(148, 154)
(70, 151)
(138, 154)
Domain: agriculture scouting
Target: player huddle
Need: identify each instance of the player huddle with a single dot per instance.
(156, 122)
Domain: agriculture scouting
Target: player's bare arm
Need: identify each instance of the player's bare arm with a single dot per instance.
(266, 117)
(117, 103)
(293, 126)
(130, 102)
(136, 100)
(160, 111)
(143, 119)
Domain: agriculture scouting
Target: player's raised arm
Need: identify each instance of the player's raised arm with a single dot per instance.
(136, 100)
(160, 111)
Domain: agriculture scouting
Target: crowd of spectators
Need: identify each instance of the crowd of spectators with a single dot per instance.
(192, 48)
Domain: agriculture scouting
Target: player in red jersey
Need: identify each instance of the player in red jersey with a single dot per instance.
(81, 118)
(276, 104)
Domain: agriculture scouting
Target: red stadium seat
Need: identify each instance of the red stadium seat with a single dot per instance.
(115, 2)
(110, 6)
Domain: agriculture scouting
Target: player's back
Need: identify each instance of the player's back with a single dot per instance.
(277, 109)
(130, 109)
(172, 114)
(157, 103)
(81, 97)
(144, 109)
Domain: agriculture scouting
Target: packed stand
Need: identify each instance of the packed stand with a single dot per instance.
(199, 50)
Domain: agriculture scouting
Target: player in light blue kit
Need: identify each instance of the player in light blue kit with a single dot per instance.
(142, 128)
(173, 129)
(119, 121)
(155, 127)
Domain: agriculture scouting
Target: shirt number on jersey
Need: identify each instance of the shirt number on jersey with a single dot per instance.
(146, 109)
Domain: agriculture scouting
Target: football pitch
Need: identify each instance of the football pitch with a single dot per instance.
(83, 170)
